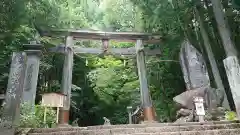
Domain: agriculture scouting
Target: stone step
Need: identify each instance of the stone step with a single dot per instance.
(44, 130)
(175, 128)
(143, 130)
(160, 124)
(47, 130)
(204, 132)
(200, 132)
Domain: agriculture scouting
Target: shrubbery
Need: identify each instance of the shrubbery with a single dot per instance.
(35, 119)
(230, 115)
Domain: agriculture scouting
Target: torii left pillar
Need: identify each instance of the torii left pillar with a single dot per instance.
(66, 82)
(148, 110)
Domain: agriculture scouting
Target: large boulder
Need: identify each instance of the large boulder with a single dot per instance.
(186, 98)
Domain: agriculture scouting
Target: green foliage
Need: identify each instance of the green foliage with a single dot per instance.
(236, 3)
(104, 87)
(107, 85)
(34, 117)
(115, 84)
(230, 115)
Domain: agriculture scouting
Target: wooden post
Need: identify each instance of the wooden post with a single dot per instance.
(57, 115)
(11, 112)
(33, 52)
(66, 82)
(45, 115)
(145, 94)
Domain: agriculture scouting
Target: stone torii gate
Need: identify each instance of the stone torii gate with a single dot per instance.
(22, 83)
(139, 50)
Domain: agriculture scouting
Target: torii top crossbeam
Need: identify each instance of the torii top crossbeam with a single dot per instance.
(103, 36)
(100, 35)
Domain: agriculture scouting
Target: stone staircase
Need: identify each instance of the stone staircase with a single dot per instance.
(192, 128)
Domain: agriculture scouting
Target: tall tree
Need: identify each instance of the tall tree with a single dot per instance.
(223, 28)
(231, 63)
(217, 78)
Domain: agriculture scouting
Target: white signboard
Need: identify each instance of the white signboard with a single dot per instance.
(199, 106)
(52, 100)
(200, 109)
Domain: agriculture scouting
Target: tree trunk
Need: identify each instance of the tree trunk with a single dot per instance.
(216, 37)
(231, 63)
(215, 71)
(224, 31)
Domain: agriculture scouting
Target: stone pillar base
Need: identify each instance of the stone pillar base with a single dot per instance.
(149, 114)
(63, 117)
(63, 126)
(148, 122)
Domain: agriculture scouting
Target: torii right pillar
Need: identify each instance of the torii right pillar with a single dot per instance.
(66, 83)
(148, 110)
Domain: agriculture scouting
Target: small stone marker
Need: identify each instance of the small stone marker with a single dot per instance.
(198, 101)
(106, 121)
(129, 109)
(75, 123)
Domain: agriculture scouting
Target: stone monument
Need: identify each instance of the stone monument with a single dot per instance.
(11, 112)
(33, 51)
(197, 82)
(193, 67)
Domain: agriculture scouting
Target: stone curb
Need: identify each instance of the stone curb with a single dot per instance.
(160, 124)
(44, 130)
(35, 130)
(144, 129)
(205, 132)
